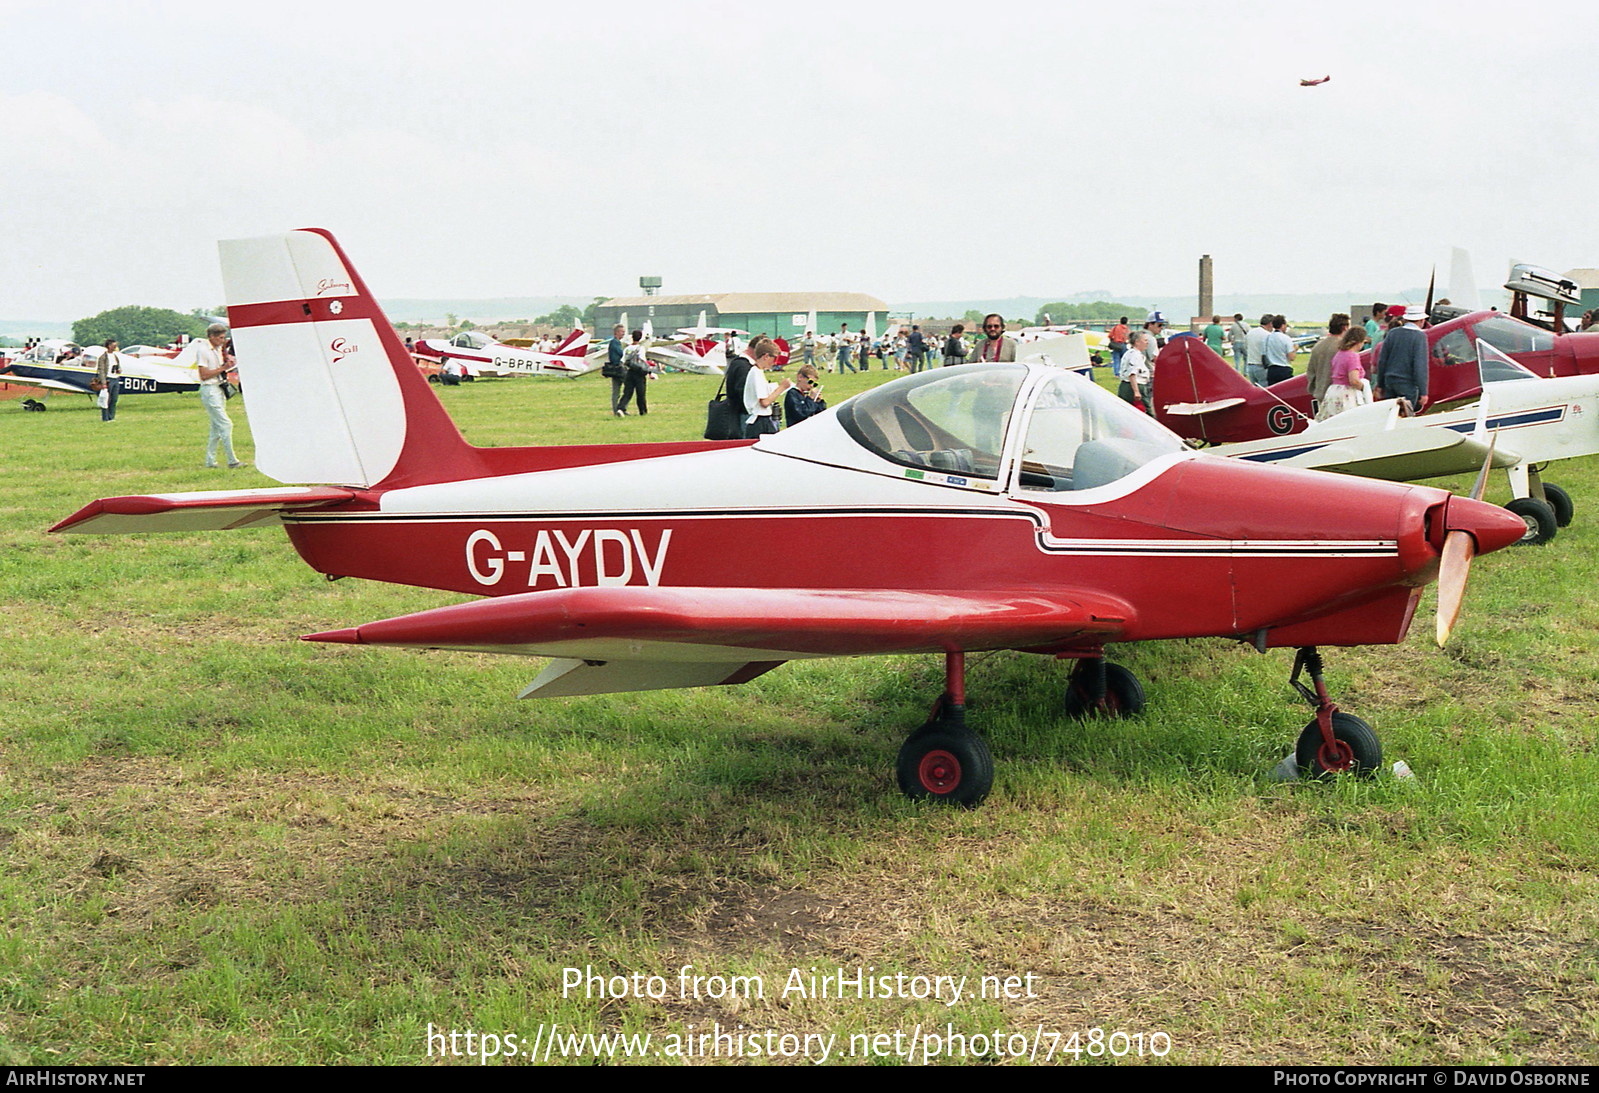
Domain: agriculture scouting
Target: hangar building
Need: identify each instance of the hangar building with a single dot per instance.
(780, 314)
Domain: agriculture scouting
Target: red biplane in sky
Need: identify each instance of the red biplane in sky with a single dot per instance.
(981, 507)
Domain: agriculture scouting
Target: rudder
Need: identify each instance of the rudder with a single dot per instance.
(332, 394)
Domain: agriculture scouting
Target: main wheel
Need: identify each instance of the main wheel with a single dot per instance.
(1539, 517)
(1124, 695)
(1356, 749)
(1560, 501)
(940, 763)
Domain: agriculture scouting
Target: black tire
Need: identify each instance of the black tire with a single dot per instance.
(1362, 758)
(1124, 694)
(1560, 501)
(1539, 517)
(434, 378)
(940, 763)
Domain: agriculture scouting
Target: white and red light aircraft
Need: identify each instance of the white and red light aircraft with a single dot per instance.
(1042, 514)
(482, 356)
(146, 372)
(1529, 423)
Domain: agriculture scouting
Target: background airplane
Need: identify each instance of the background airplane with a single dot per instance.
(483, 356)
(1524, 421)
(1061, 522)
(144, 374)
(1220, 406)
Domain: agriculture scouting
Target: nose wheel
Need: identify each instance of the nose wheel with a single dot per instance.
(1353, 749)
(1334, 742)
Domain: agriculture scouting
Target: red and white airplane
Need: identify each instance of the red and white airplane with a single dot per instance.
(1005, 506)
(1222, 407)
(480, 355)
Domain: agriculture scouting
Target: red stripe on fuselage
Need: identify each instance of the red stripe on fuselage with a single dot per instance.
(1179, 596)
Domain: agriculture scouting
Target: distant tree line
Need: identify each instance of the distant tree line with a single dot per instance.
(134, 325)
(1094, 312)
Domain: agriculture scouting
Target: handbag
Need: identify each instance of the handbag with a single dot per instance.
(228, 390)
(721, 419)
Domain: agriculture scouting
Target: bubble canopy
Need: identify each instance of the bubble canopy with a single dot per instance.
(1006, 426)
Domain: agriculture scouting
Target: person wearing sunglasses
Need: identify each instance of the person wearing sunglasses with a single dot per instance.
(993, 346)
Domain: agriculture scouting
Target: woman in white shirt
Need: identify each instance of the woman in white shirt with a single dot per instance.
(761, 395)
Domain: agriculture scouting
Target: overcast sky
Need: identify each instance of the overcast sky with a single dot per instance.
(913, 151)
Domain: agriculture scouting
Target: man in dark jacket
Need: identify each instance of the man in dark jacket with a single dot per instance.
(1402, 359)
(804, 399)
(614, 370)
(917, 344)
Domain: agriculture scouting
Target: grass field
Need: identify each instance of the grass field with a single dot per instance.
(224, 845)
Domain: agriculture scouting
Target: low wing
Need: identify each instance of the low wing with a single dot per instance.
(44, 383)
(1402, 455)
(635, 638)
(216, 510)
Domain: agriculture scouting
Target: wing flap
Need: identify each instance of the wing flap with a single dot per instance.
(214, 510)
(741, 625)
(564, 678)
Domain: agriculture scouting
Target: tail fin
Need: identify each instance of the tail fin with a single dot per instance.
(333, 395)
(1188, 372)
(575, 344)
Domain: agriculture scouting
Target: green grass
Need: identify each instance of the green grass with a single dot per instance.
(225, 845)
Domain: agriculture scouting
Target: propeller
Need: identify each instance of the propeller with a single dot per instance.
(1460, 546)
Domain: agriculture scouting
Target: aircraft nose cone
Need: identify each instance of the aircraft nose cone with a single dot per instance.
(1491, 526)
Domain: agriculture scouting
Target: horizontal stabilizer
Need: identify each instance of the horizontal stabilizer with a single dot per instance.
(213, 510)
(739, 625)
(1189, 409)
(564, 678)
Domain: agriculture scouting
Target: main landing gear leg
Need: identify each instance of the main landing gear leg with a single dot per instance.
(944, 760)
(1098, 688)
(1333, 742)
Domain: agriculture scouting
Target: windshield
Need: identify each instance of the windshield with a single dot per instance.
(1495, 367)
(1081, 436)
(952, 419)
(1512, 336)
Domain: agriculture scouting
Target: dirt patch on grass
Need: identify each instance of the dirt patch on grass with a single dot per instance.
(172, 837)
(1232, 991)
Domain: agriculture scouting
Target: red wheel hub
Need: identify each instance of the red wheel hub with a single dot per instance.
(939, 772)
(1336, 756)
